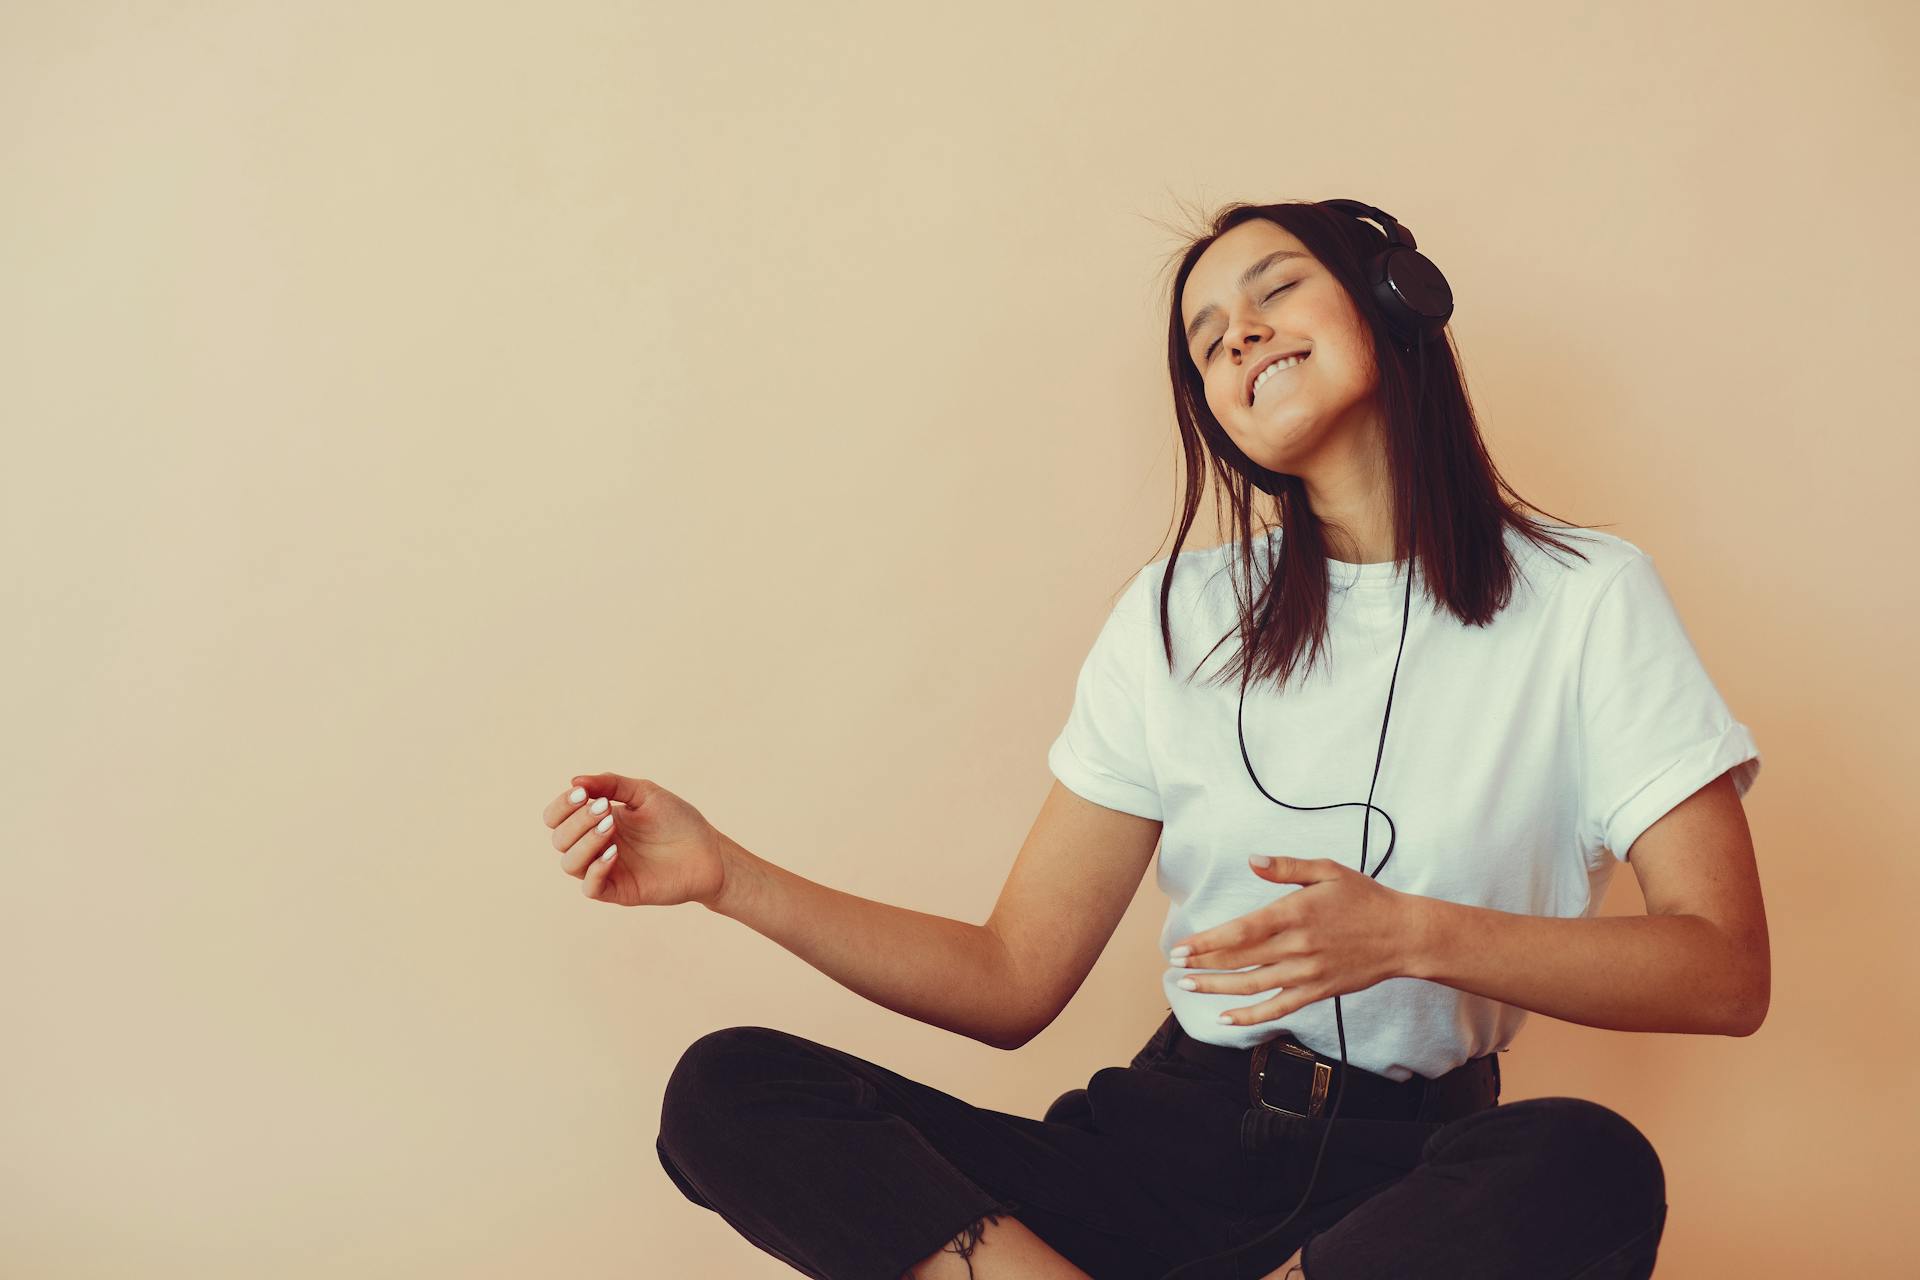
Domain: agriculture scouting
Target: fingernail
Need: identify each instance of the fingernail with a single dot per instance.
(605, 824)
(1180, 952)
(598, 806)
(1187, 984)
(577, 794)
(608, 855)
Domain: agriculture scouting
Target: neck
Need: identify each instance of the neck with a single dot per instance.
(1354, 502)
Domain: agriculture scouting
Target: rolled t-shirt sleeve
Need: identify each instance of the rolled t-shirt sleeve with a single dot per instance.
(1101, 753)
(1653, 727)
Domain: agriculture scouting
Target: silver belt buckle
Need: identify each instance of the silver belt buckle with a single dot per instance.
(1322, 1076)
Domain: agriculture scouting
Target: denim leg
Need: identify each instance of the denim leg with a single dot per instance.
(1541, 1189)
(845, 1170)
(739, 1120)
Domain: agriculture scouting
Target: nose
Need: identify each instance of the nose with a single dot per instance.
(1251, 337)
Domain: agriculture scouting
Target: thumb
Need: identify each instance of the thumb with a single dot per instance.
(614, 786)
(1284, 870)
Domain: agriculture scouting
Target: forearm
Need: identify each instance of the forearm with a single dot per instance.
(1672, 973)
(937, 970)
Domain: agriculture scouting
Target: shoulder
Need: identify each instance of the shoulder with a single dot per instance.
(1196, 573)
(1581, 576)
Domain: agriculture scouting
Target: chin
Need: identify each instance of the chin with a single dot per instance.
(1279, 448)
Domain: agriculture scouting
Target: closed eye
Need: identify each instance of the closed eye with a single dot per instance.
(1208, 353)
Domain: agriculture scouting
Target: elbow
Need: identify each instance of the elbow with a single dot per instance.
(1752, 984)
(1016, 1037)
(1023, 1025)
(1752, 1013)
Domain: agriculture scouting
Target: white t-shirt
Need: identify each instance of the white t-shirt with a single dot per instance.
(1522, 760)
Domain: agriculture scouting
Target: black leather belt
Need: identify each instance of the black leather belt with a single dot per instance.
(1284, 1075)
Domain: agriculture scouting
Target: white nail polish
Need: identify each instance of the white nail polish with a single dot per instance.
(605, 824)
(608, 855)
(576, 795)
(1187, 984)
(598, 806)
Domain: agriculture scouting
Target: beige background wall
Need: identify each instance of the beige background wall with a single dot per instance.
(408, 406)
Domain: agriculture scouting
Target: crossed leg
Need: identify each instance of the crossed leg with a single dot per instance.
(1017, 1252)
(1010, 1250)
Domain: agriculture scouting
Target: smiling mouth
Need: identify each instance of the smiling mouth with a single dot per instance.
(1265, 377)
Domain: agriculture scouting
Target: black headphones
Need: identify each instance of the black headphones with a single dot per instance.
(1416, 302)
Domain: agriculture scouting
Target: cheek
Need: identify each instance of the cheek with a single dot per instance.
(1336, 372)
(1220, 398)
(1357, 382)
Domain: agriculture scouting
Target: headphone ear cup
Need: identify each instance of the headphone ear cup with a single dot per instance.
(1413, 293)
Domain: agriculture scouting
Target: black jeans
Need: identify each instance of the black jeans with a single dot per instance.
(845, 1170)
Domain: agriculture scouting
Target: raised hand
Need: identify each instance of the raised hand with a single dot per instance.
(634, 843)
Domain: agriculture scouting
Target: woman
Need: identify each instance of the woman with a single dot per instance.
(1552, 719)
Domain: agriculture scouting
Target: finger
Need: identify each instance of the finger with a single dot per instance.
(1189, 950)
(616, 786)
(1231, 946)
(583, 851)
(1222, 946)
(598, 870)
(587, 786)
(562, 806)
(581, 821)
(1285, 870)
(1266, 1010)
(1241, 982)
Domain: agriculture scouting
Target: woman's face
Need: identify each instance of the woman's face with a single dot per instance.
(1242, 306)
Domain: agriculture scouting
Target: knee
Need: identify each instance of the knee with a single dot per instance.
(1613, 1148)
(711, 1079)
(1580, 1149)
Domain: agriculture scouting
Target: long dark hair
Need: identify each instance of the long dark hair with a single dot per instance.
(1456, 530)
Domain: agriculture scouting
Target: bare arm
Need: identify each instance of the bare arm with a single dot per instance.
(1000, 983)
(934, 969)
(1697, 962)
(1079, 869)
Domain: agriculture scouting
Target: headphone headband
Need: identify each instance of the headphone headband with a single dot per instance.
(1411, 291)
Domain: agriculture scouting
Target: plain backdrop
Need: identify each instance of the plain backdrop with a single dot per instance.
(408, 406)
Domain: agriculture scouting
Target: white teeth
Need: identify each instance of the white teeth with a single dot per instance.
(1274, 368)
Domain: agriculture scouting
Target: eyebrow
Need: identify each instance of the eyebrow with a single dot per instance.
(1247, 277)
